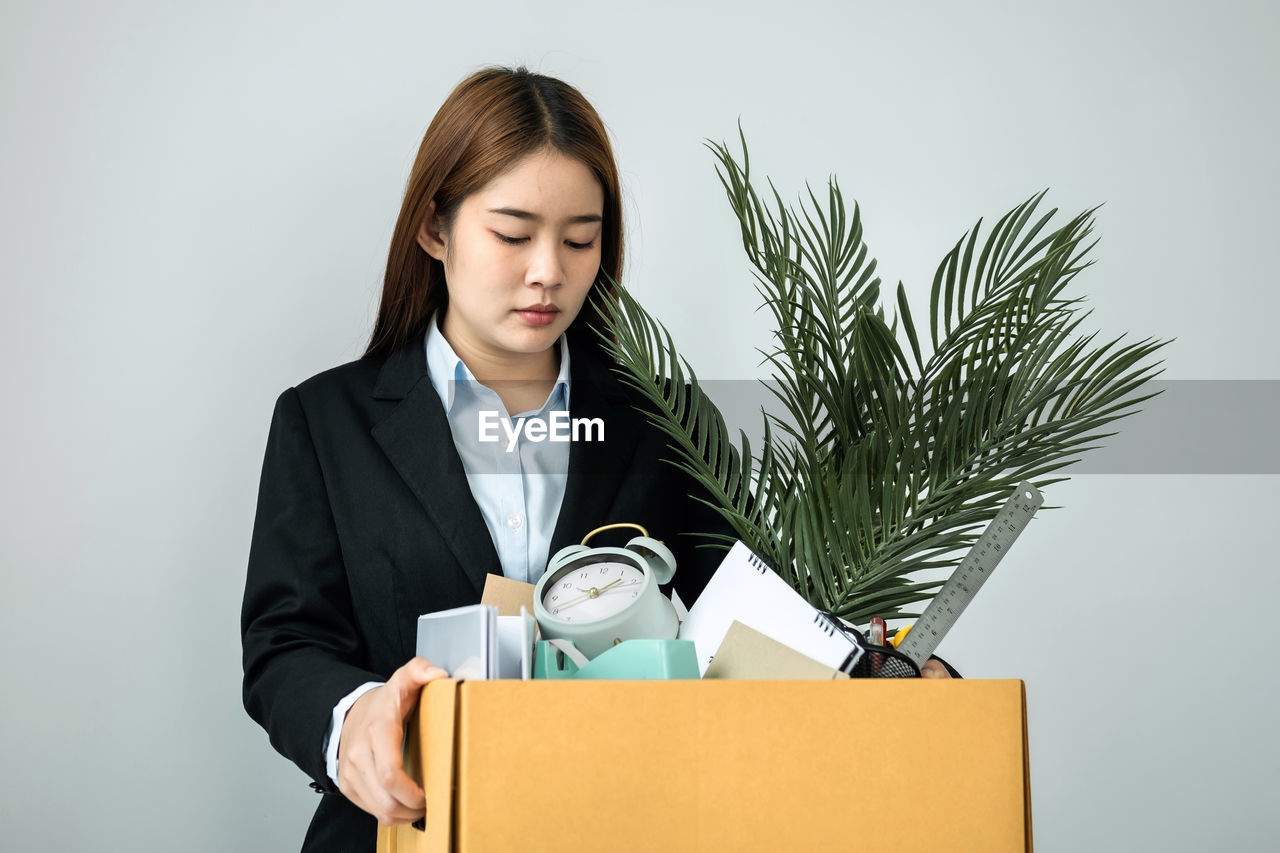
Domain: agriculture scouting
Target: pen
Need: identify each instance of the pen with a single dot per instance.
(875, 635)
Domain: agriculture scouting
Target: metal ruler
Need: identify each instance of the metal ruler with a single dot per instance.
(971, 574)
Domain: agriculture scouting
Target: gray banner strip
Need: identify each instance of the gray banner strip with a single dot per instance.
(1210, 426)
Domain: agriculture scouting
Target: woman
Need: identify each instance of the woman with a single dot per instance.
(378, 502)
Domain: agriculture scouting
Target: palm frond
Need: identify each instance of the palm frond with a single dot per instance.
(884, 463)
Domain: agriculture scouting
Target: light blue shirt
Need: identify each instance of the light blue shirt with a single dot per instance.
(519, 482)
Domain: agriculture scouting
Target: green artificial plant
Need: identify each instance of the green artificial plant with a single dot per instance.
(892, 455)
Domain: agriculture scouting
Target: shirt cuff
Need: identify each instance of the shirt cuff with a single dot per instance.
(333, 737)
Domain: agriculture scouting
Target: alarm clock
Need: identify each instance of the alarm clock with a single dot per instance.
(599, 597)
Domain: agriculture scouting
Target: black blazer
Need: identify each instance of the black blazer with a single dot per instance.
(365, 521)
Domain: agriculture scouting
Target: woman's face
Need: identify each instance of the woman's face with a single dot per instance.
(521, 257)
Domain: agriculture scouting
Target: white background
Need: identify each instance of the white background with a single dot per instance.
(197, 204)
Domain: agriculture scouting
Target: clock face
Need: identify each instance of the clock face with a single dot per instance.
(593, 591)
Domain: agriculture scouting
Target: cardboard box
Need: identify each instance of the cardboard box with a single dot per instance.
(868, 765)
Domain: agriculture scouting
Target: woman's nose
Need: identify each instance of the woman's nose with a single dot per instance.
(545, 266)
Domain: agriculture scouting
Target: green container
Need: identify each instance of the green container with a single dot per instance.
(631, 660)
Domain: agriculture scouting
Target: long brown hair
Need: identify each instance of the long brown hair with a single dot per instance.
(493, 119)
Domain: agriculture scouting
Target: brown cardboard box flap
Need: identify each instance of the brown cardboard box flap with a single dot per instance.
(507, 595)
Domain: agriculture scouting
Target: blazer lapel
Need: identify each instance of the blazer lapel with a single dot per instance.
(416, 437)
(596, 468)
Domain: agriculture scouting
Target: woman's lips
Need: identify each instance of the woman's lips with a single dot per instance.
(538, 315)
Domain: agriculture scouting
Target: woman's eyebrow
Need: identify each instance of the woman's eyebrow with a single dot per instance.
(533, 217)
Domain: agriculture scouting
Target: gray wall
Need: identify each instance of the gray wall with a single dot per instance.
(197, 204)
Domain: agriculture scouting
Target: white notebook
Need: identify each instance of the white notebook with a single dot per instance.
(748, 591)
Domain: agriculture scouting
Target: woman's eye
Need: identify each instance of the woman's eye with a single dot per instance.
(515, 241)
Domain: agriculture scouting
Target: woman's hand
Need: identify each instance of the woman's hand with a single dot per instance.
(370, 751)
(934, 669)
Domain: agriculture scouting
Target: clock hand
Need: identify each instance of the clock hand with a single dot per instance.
(593, 592)
(560, 607)
(587, 593)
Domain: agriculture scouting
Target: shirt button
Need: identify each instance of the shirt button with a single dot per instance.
(514, 522)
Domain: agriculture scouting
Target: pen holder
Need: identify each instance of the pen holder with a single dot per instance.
(877, 661)
(884, 662)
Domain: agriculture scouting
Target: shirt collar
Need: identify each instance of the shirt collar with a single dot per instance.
(446, 370)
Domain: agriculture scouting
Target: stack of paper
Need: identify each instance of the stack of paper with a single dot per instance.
(745, 590)
(748, 654)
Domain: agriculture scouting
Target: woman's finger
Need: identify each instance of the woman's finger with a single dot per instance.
(386, 742)
(406, 683)
(367, 790)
